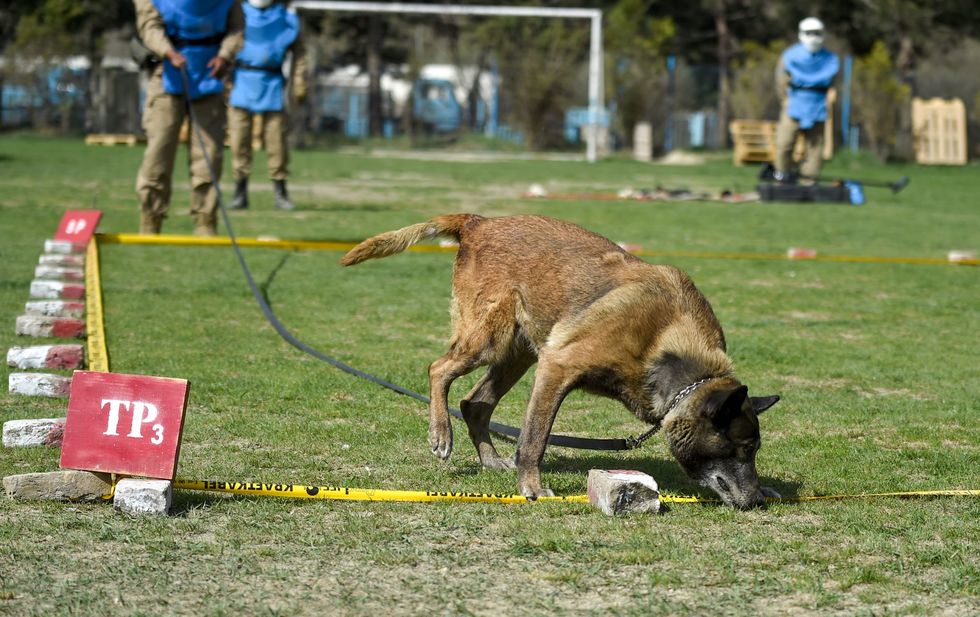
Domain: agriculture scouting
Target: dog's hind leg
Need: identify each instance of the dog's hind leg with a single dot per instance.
(442, 373)
(481, 336)
(479, 404)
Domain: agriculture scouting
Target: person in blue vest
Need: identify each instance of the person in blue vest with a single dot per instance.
(805, 73)
(201, 38)
(259, 91)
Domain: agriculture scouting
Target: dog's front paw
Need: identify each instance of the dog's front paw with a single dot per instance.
(499, 463)
(534, 493)
(770, 492)
(441, 442)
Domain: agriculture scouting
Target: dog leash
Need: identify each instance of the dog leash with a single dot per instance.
(566, 441)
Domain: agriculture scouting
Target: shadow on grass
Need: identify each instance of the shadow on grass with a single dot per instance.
(343, 207)
(264, 285)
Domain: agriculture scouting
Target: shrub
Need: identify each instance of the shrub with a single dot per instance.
(878, 98)
(754, 95)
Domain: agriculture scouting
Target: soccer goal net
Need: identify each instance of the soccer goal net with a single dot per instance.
(530, 75)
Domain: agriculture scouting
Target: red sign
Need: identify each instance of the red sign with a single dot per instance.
(125, 424)
(77, 226)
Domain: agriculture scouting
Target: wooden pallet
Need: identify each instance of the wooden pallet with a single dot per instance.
(755, 141)
(940, 131)
(112, 139)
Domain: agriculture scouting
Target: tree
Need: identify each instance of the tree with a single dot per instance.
(754, 94)
(879, 98)
(635, 64)
(47, 33)
(539, 61)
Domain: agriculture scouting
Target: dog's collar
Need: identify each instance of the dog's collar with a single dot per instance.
(634, 442)
(680, 396)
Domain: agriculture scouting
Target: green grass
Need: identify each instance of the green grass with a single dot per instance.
(876, 363)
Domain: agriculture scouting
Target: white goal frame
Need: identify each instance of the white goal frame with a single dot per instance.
(596, 85)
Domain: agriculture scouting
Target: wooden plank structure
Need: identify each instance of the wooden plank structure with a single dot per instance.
(939, 131)
(112, 139)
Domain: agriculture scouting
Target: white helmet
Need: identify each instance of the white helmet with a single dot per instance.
(260, 4)
(811, 34)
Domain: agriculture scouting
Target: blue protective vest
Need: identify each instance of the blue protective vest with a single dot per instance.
(195, 28)
(810, 77)
(259, 82)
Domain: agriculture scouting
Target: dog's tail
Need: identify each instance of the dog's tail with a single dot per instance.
(392, 242)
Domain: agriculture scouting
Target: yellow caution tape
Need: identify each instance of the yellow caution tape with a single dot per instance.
(298, 491)
(336, 245)
(96, 353)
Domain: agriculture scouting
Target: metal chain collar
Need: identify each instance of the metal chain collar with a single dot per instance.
(634, 442)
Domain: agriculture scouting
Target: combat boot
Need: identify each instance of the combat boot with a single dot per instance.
(205, 225)
(281, 197)
(150, 222)
(240, 200)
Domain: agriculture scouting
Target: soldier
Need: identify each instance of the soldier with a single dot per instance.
(804, 74)
(201, 37)
(271, 31)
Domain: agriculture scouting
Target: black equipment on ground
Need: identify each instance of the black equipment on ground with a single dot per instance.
(768, 174)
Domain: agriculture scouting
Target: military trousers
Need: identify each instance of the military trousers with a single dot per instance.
(163, 115)
(274, 127)
(786, 132)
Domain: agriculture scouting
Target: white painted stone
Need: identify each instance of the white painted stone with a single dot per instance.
(33, 432)
(39, 384)
(55, 308)
(36, 326)
(139, 496)
(46, 356)
(67, 261)
(58, 273)
(62, 247)
(28, 357)
(51, 290)
(617, 492)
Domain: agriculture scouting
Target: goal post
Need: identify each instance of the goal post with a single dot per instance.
(595, 37)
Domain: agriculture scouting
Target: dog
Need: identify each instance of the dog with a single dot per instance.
(532, 289)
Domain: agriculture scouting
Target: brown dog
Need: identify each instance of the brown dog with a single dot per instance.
(532, 289)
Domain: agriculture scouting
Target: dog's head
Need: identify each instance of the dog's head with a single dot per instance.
(714, 435)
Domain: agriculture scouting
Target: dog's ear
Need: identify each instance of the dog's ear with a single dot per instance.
(762, 403)
(723, 406)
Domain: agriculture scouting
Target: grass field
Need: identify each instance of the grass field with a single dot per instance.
(876, 364)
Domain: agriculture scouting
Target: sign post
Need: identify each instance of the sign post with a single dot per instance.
(77, 226)
(125, 424)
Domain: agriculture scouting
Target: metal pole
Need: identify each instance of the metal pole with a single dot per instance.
(595, 89)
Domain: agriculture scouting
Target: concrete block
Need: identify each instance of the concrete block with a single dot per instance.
(64, 485)
(619, 491)
(47, 356)
(33, 432)
(53, 290)
(62, 247)
(138, 496)
(33, 325)
(643, 142)
(65, 261)
(45, 272)
(55, 308)
(956, 257)
(39, 384)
